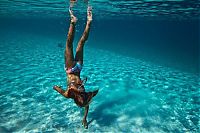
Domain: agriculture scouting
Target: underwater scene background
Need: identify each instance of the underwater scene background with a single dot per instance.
(142, 55)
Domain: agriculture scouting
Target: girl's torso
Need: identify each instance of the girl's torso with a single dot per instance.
(79, 95)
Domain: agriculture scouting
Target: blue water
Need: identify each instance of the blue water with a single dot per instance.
(144, 61)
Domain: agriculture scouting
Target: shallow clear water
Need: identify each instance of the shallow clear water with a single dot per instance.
(145, 63)
(134, 95)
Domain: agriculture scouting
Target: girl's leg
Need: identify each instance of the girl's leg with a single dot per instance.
(79, 49)
(69, 56)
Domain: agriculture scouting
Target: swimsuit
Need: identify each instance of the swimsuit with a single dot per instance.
(76, 69)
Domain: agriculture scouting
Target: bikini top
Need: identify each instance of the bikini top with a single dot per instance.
(81, 97)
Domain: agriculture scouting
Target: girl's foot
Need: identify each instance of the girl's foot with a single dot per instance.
(73, 18)
(89, 13)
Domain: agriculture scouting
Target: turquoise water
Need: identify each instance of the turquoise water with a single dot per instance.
(160, 9)
(146, 67)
